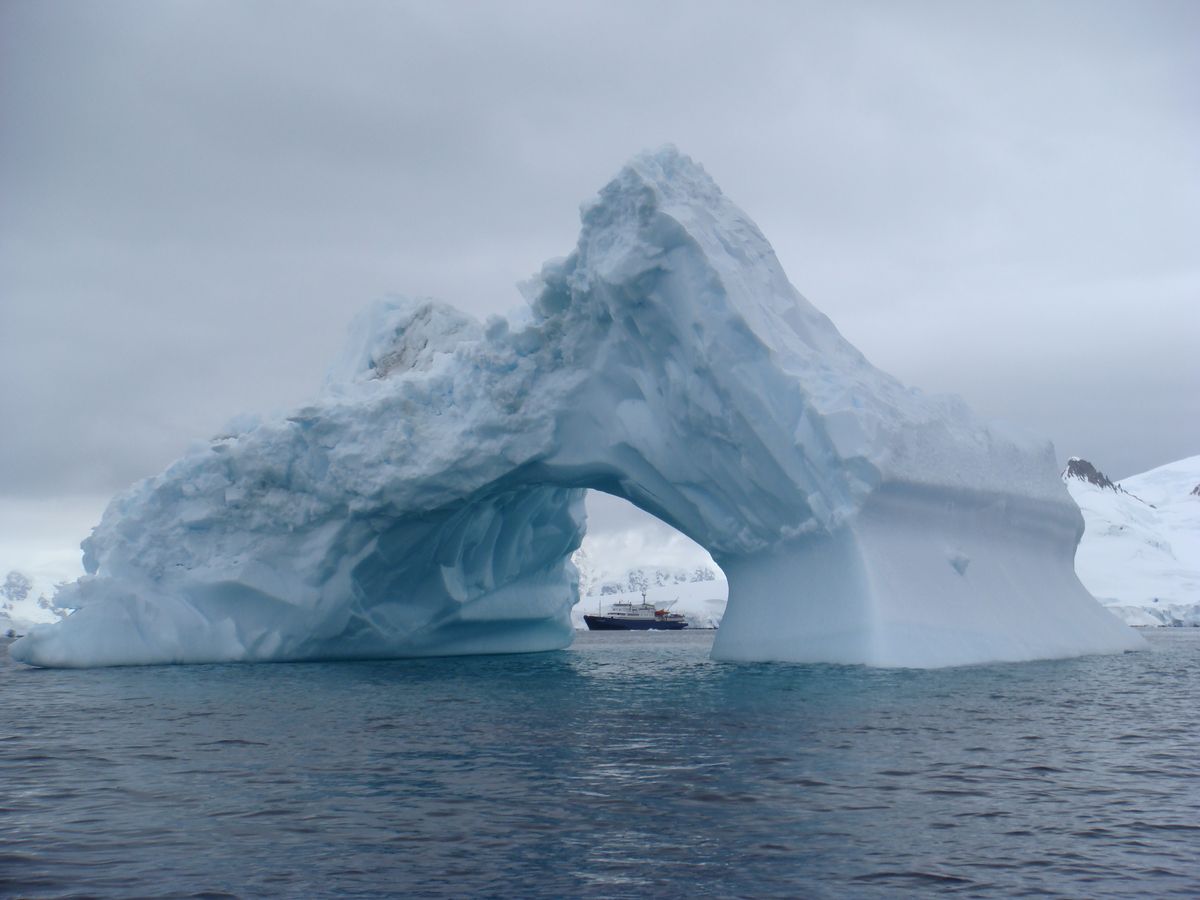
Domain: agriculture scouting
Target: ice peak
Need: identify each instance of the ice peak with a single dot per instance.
(661, 234)
(655, 182)
(674, 174)
(401, 334)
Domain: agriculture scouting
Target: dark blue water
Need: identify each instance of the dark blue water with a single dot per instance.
(629, 765)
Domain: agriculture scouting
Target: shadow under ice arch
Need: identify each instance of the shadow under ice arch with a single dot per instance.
(430, 501)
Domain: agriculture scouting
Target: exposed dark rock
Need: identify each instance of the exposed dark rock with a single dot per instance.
(1085, 471)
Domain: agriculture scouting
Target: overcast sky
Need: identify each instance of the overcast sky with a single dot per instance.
(998, 200)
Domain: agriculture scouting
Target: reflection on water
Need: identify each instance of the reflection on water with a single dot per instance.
(629, 765)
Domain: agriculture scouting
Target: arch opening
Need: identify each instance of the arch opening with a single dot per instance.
(627, 551)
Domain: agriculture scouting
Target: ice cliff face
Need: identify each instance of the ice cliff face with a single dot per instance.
(429, 503)
(1140, 553)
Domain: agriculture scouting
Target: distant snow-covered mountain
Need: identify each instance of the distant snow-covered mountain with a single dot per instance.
(1140, 553)
(23, 605)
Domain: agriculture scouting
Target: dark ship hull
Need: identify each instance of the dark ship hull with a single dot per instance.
(616, 623)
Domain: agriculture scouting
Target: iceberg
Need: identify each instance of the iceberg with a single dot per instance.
(429, 502)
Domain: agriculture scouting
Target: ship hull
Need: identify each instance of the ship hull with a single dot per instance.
(609, 623)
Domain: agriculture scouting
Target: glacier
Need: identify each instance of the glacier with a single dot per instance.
(429, 501)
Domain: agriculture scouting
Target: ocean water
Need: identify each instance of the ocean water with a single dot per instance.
(628, 766)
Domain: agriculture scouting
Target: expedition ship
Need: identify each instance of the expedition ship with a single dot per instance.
(624, 615)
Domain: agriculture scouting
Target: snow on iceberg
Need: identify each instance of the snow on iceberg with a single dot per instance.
(430, 502)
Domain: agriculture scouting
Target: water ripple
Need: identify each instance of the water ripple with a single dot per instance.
(629, 766)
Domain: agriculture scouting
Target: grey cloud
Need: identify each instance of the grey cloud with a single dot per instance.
(995, 200)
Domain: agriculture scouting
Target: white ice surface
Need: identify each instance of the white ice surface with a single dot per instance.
(429, 503)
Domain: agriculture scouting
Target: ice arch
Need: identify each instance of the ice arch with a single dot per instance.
(430, 501)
